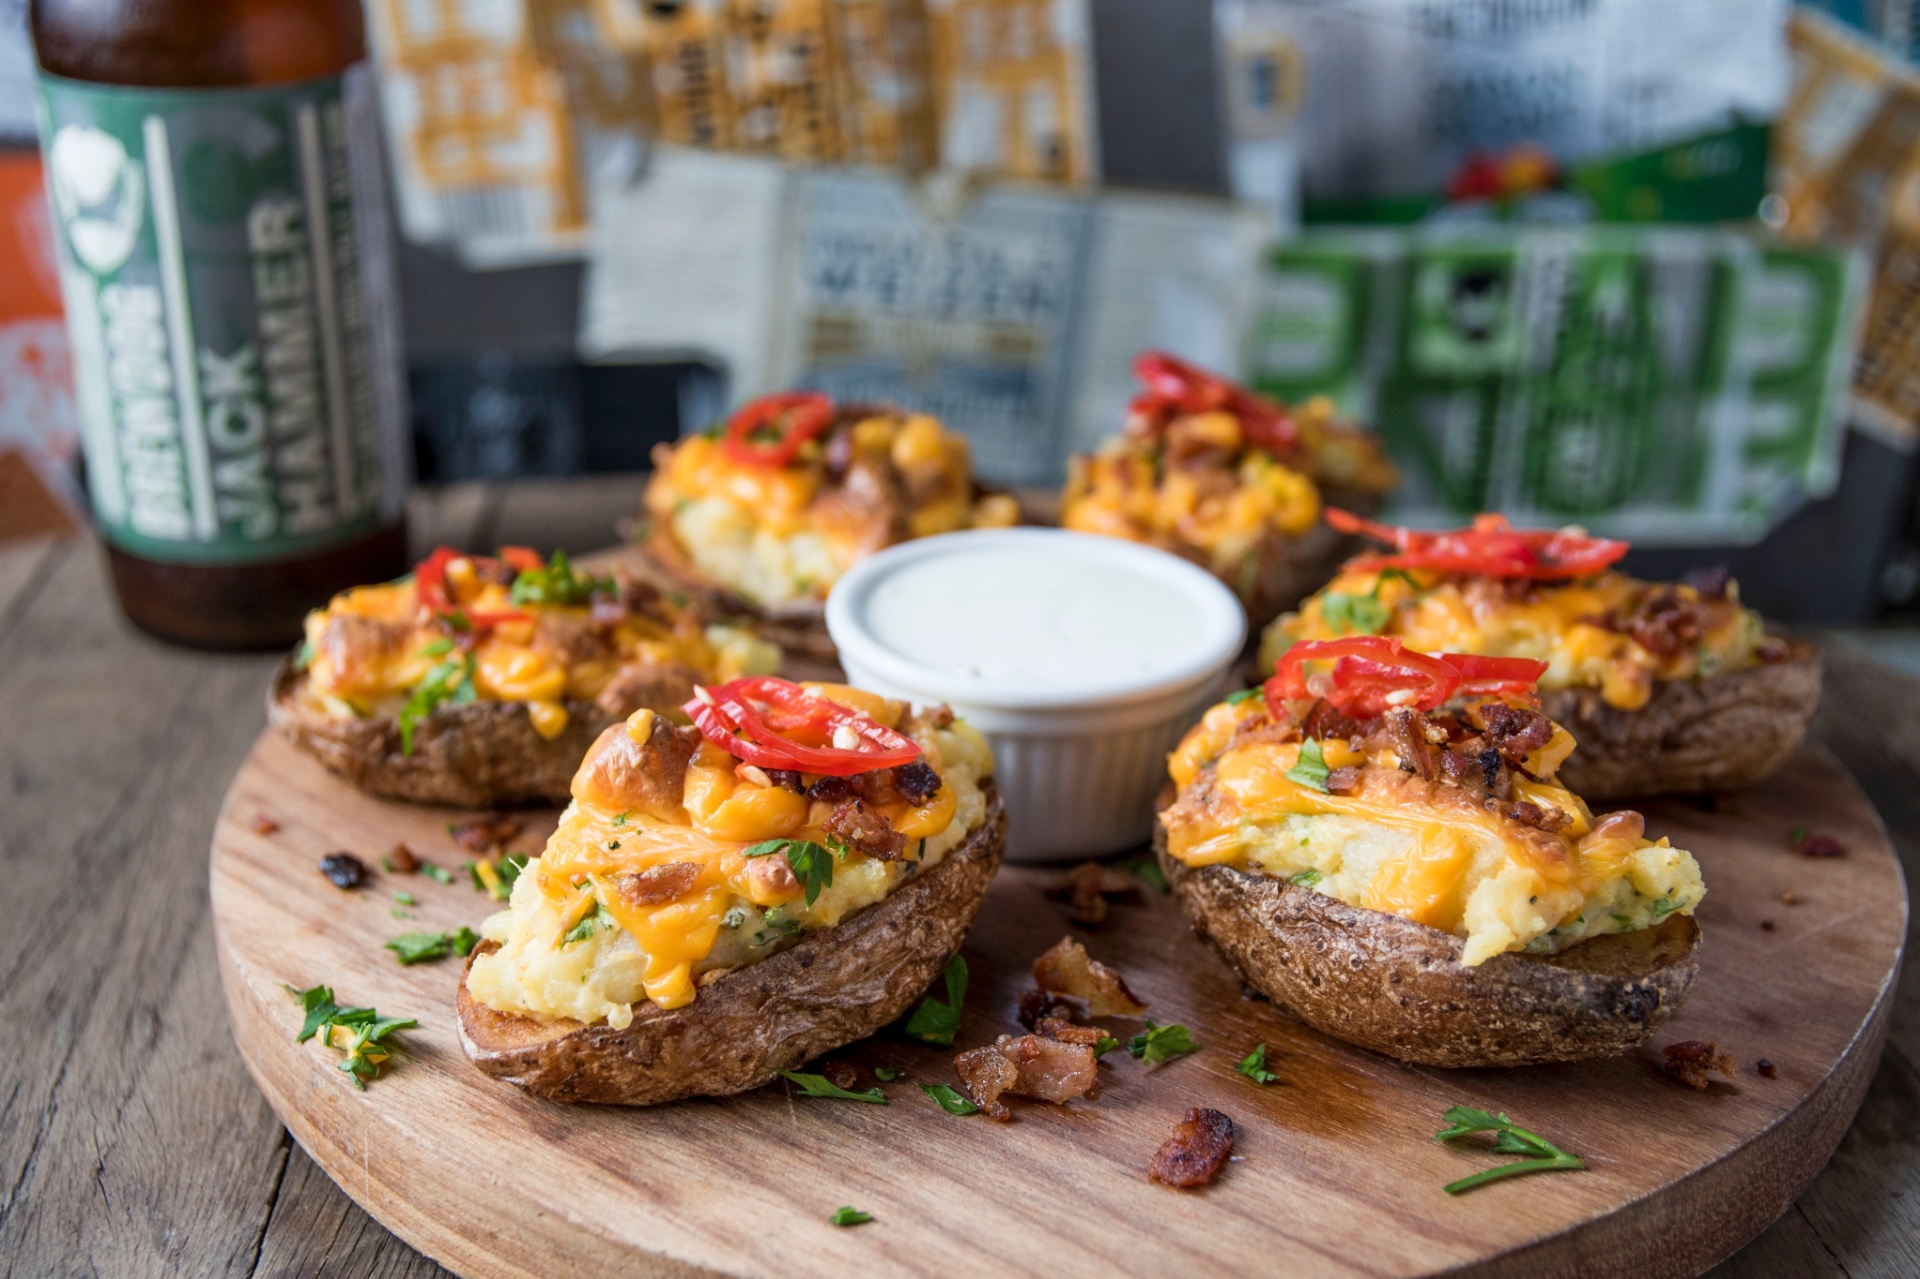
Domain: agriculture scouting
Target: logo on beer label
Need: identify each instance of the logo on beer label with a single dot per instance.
(235, 359)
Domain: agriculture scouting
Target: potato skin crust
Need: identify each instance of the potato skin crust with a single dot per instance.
(836, 986)
(1714, 734)
(481, 755)
(1398, 988)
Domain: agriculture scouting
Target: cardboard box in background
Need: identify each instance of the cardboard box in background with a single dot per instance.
(39, 426)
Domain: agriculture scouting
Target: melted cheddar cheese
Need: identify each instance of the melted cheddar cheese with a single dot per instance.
(1562, 624)
(1425, 852)
(1236, 496)
(573, 946)
(372, 646)
(785, 535)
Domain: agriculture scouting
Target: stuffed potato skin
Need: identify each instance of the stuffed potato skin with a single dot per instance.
(1398, 988)
(835, 986)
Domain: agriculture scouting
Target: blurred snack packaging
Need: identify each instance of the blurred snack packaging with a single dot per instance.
(1674, 385)
(504, 117)
(1846, 163)
(1010, 310)
(39, 426)
(1629, 110)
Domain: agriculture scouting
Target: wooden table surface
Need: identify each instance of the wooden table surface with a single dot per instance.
(132, 1141)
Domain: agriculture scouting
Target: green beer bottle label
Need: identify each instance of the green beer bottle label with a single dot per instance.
(224, 265)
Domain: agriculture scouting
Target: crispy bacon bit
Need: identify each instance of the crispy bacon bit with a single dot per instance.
(1516, 731)
(854, 823)
(1037, 1005)
(1199, 1148)
(658, 884)
(1550, 820)
(1068, 969)
(787, 779)
(402, 860)
(1087, 887)
(1342, 781)
(916, 781)
(1407, 731)
(1767, 925)
(484, 834)
(840, 1074)
(1323, 721)
(1766, 1069)
(1026, 1066)
(1691, 1061)
(1820, 846)
(1060, 1026)
(264, 825)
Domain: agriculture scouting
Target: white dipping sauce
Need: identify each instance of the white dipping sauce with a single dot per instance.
(1042, 614)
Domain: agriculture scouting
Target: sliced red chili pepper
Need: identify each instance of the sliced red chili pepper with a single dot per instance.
(1175, 387)
(430, 588)
(1491, 547)
(1371, 675)
(776, 723)
(1493, 676)
(522, 559)
(770, 430)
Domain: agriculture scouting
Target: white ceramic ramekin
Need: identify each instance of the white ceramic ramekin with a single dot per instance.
(1078, 760)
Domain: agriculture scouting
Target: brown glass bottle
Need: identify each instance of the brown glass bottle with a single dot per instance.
(340, 526)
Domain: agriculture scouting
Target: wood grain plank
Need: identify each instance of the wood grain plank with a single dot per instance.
(316, 1232)
(24, 567)
(130, 1140)
(574, 515)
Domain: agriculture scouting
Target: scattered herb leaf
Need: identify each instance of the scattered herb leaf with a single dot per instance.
(558, 583)
(371, 1034)
(438, 874)
(887, 1074)
(1104, 1045)
(1311, 769)
(934, 1022)
(821, 1086)
(949, 1099)
(1510, 1139)
(420, 948)
(850, 1216)
(1254, 1066)
(448, 681)
(406, 899)
(1161, 1043)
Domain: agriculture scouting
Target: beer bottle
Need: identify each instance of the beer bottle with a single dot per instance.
(225, 266)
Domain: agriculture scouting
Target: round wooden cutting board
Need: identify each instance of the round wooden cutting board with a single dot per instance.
(1337, 1174)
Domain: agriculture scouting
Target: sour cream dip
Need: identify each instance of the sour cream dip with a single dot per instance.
(1080, 658)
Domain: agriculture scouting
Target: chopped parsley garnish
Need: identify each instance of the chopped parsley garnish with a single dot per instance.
(1244, 695)
(735, 916)
(558, 583)
(438, 874)
(406, 899)
(1355, 614)
(812, 863)
(775, 925)
(1104, 1045)
(1149, 872)
(304, 655)
(439, 648)
(1254, 1066)
(1161, 1043)
(620, 819)
(850, 1216)
(420, 948)
(934, 1022)
(1664, 907)
(1306, 878)
(949, 1099)
(369, 1035)
(887, 1074)
(1510, 1139)
(592, 922)
(448, 681)
(821, 1086)
(1311, 769)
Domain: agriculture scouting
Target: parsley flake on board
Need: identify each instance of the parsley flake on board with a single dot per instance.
(850, 1216)
(821, 1086)
(949, 1099)
(420, 948)
(1161, 1043)
(438, 874)
(369, 1043)
(1104, 1045)
(812, 863)
(1254, 1066)
(1510, 1139)
(1311, 768)
(887, 1074)
(934, 1022)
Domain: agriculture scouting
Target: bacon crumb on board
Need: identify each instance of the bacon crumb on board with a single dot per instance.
(402, 861)
(264, 825)
(1088, 888)
(1819, 846)
(1197, 1151)
(1035, 1066)
(840, 1074)
(1067, 969)
(1690, 1061)
(484, 834)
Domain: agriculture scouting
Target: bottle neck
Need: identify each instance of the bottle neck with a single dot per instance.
(197, 43)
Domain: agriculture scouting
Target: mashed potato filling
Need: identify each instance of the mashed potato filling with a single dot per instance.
(1561, 624)
(1408, 848)
(573, 945)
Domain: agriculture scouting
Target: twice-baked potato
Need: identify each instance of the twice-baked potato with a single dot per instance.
(1377, 840)
(700, 920)
(1669, 687)
(1229, 480)
(477, 681)
(761, 520)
